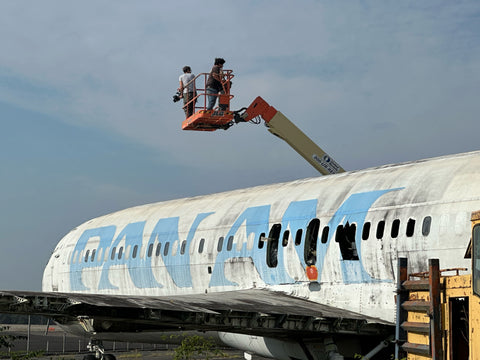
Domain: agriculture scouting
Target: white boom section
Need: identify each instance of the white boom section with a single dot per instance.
(282, 127)
(279, 125)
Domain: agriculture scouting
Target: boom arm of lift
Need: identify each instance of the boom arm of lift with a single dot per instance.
(279, 125)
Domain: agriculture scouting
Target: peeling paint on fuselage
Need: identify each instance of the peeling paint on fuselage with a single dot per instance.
(445, 189)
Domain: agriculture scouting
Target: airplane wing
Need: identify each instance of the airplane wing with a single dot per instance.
(256, 311)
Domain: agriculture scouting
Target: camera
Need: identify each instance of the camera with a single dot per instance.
(177, 97)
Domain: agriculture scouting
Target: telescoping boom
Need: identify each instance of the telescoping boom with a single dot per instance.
(278, 124)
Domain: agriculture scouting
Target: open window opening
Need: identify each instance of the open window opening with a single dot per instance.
(395, 228)
(410, 227)
(286, 235)
(311, 236)
(272, 246)
(366, 230)
(298, 237)
(380, 229)
(325, 232)
(345, 236)
(261, 239)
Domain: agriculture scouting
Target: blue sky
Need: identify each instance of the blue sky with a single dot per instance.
(88, 125)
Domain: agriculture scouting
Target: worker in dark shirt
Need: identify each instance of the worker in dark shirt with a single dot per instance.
(214, 82)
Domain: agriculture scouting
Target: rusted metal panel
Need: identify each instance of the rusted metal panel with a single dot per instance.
(475, 215)
(458, 282)
(402, 296)
(417, 285)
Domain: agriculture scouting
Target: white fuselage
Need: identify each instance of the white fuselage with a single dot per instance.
(264, 237)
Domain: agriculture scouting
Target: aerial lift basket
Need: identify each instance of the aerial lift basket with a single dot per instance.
(219, 117)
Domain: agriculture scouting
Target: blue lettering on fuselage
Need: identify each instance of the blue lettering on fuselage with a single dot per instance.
(353, 210)
(105, 234)
(254, 221)
(178, 266)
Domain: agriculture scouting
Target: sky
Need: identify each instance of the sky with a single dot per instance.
(88, 125)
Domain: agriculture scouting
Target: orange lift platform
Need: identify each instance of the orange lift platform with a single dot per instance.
(222, 117)
(210, 120)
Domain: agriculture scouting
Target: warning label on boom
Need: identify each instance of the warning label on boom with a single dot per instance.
(327, 163)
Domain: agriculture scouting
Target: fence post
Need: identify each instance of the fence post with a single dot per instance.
(28, 334)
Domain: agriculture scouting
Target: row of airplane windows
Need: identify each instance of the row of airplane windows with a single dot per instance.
(344, 236)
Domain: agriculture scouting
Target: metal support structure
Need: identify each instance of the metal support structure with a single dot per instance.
(378, 348)
(402, 296)
(435, 310)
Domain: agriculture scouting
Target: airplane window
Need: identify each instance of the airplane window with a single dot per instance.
(150, 250)
(93, 255)
(165, 248)
(201, 245)
(159, 248)
(230, 243)
(261, 240)
(135, 250)
(395, 228)
(286, 235)
(120, 253)
(112, 255)
(311, 236)
(272, 245)
(366, 230)
(87, 255)
(410, 227)
(380, 229)
(298, 237)
(183, 247)
(325, 232)
(220, 244)
(345, 236)
(427, 222)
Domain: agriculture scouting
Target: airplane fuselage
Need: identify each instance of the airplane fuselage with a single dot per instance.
(352, 227)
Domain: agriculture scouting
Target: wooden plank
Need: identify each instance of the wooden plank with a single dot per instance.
(416, 327)
(416, 285)
(416, 305)
(417, 349)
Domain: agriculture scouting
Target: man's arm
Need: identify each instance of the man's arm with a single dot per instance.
(180, 88)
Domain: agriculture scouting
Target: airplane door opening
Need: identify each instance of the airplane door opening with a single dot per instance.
(272, 247)
(311, 236)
